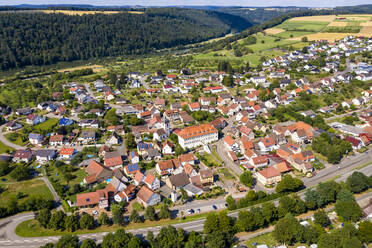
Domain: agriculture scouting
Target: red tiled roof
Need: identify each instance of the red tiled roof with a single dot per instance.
(195, 131)
(113, 161)
(269, 172)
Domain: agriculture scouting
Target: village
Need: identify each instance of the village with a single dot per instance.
(187, 137)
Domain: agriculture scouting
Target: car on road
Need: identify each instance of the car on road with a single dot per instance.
(191, 211)
(198, 210)
(94, 212)
(214, 207)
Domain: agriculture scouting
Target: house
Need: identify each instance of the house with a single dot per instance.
(194, 136)
(177, 181)
(131, 169)
(148, 197)
(23, 156)
(192, 190)
(45, 155)
(165, 167)
(23, 111)
(138, 178)
(302, 161)
(65, 122)
(267, 144)
(188, 158)
(152, 154)
(56, 140)
(13, 125)
(356, 143)
(160, 135)
(152, 182)
(189, 170)
(67, 153)
(99, 198)
(87, 137)
(34, 119)
(231, 144)
(167, 148)
(133, 157)
(268, 176)
(97, 173)
(114, 139)
(219, 123)
(116, 185)
(35, 139)
(259, 161)
(126, 195)
(113, 162)
(206, 176)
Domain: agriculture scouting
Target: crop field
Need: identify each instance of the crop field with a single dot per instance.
(274, 31)
(338, 24)
(324, 18)
(79, 12)
(366, 31)
(95, 68)
(313, 26)
(347, 29)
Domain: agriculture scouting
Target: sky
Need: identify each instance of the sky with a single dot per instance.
(304, 3)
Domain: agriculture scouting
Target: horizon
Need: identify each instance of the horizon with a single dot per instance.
(191, 3)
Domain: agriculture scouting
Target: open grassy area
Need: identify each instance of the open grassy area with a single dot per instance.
(31, 228)
(313, 26)
(4, 148)
(226, 173)
(46, 125)
(267, 239)
(34, 187)
(16, 139)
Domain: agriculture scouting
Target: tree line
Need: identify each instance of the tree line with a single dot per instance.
(34, 38)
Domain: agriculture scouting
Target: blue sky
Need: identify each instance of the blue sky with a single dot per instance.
(313, 3)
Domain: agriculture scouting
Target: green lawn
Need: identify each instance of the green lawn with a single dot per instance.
(34, 187)
(292, 34)
(267, 239)
(4, 148)
(226, 173)
(313, 26)
(46, 125)
(17, 141)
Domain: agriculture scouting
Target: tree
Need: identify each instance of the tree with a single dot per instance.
(313, 200)
(117, 215)
(231, 203)
(310, 234)
(329, 240)
(111, 117)
(328, 191)
(269, 212)
(246, 178)
(88, 243)
(228, 81)
(288, 230)
(289, 184)
(348, 210)
(150, 213)
(321, 218)
(184, 196)
(103, 219)
(245, 221)
(57, 221)
(345, 195)
(164, 212)
(86, 221)
(130, 141)
(71, 223)
(4, 168)
(304, 39)
(357, 182)
(365, 231)
(211, 223)
(68, 241)
(135, 217)
(195, 240)
(21, 172)
(43, 216)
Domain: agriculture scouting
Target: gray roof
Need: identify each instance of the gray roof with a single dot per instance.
(179, 180)
(45, 153)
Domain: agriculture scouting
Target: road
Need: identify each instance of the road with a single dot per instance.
(9, 239)
(6, 141)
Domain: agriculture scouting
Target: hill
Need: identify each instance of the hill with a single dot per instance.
(36, 38)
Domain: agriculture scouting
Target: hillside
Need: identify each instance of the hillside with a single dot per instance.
(37, 38)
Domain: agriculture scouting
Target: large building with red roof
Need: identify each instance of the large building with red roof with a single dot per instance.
(194, 136)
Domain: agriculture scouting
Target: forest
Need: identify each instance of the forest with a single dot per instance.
(28, 38)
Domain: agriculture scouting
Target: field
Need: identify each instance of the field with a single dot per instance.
(34, 187)
(337, 24)
(95, 68)
(79, 12)
(313, 26)
(274, 30)
(324, 18)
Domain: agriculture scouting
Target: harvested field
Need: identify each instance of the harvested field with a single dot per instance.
(325, 18)
(338, 24)
(78, 12)
(324, 36)
(274, 30)
(366, 24)
(95, 68)
(366, 31)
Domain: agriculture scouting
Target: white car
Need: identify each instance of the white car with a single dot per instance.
(94, 212)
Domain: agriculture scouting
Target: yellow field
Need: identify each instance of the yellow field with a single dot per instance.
(366, 31)
(96, 68)
(79, 12)
(325, 18)
(366, 24)
(324, 36)
(274, 30)
(338, 24)
(356, 17)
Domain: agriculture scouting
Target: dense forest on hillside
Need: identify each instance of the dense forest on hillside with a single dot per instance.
(40, 39)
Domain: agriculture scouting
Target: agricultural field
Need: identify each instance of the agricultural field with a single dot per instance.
(311, 26)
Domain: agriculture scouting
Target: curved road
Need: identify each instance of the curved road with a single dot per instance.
(8, 238)
(6, 141)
